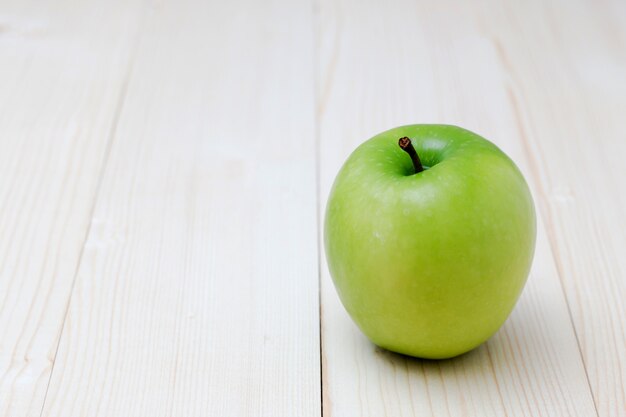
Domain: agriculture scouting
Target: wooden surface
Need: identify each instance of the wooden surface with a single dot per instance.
(164, 168)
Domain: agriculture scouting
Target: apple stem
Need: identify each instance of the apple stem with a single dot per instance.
(407, 146)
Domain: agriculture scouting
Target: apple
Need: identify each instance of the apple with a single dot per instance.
(429, 236)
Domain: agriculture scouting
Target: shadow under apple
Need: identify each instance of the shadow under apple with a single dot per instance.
(508, 351)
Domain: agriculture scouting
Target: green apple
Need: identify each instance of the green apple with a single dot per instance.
(429, 263)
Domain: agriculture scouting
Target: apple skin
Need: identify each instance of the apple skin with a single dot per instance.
(429, 264)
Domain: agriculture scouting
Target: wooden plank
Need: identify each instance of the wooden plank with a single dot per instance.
(388, 64)
(568, 91)
(63, 67)
(198, 289)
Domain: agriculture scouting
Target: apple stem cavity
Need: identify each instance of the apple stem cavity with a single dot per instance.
(407, 146)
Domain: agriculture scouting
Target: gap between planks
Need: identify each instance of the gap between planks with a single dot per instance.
(119, 106)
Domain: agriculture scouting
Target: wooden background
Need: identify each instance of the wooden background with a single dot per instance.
(163, 171)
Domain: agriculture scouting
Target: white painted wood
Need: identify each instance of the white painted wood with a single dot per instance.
(62, 69)
(388, 64)
(197, 293)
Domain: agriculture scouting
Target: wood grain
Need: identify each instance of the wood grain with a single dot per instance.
(198, 289)
(569, 99)
(62, 71)
(432, 62)
(164, 168)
